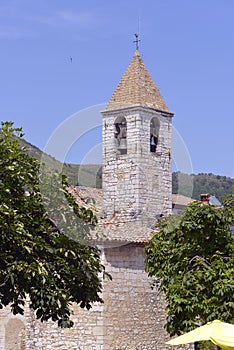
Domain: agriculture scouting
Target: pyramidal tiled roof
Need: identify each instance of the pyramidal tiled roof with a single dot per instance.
(136, 88)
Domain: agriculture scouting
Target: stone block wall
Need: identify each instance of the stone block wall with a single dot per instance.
(134, 314)
(137, 185)
(131, 318)
(12, 330)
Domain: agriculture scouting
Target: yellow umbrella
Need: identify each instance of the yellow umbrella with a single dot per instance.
(220, 333)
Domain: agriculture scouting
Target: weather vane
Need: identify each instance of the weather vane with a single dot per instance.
(137, 41)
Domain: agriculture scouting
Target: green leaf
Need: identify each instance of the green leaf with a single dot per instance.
(192, 254)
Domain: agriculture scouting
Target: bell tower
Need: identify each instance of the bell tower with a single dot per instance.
(137, 181)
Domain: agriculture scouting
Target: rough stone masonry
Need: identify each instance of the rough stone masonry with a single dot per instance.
(136, 194)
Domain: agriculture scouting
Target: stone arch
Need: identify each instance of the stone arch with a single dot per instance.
(120, 134)
(14, 334)
(154, 133)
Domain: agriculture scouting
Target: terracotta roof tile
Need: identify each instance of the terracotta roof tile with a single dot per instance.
(113, 229)
(181, 200)
(136, 88)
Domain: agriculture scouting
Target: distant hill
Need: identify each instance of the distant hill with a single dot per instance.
(90, 175)
(216, 185)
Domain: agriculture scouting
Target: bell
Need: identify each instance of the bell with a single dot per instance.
(122, 144)
(152, 143)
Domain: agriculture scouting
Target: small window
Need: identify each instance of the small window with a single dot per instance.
(120, 134)
(154, 133)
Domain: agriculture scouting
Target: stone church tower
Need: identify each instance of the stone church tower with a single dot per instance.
(136, 193)
(136, 149)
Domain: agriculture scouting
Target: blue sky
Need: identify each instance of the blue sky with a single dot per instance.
(186, 45)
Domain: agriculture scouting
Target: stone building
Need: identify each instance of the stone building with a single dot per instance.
(136, 149)
(137, 192)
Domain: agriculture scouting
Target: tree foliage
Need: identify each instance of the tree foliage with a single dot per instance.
(42, 256)
(192, 259)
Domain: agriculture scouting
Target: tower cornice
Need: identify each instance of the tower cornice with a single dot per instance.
(137, 108)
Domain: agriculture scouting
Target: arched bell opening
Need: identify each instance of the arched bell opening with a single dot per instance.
(120, 134)
(154, 134)
(15, 335)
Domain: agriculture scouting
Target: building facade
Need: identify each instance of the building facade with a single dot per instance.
(137, 183)
(137, 192)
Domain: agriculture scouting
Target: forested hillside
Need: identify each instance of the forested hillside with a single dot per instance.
(86, 175)
(216, 185)
(90, 175)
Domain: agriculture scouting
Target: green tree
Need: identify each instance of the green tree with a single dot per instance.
(191, 259)
(41, 256)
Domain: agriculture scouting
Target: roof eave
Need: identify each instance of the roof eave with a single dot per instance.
(137, 107)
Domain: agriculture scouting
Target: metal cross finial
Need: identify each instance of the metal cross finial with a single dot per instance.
(137, 41)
